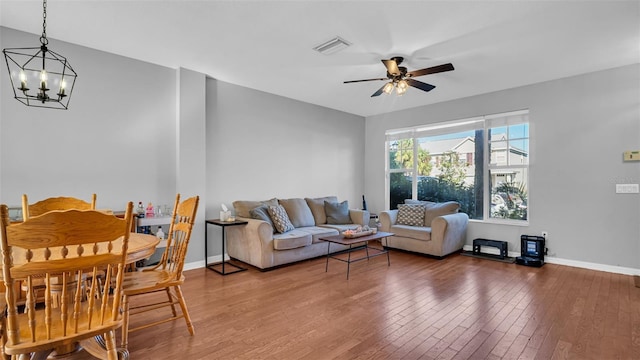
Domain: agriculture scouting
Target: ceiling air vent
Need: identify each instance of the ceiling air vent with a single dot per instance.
(332, 46)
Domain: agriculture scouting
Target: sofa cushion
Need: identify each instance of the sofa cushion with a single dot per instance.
(262, 213)
(434, 209)
(317, 208)
(291, 240)
(337, 213)
(317, 232)
(413, 232)
(298, 212)
(412, 215)
(242, 207)
(280, 219)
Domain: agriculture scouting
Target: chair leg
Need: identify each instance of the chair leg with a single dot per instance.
(125, 322)
(110, 343)
(173, 307)
(185, 312)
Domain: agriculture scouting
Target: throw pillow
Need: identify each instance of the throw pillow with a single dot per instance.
(280, 219)
(243, 207)
(317, 208)
(337, 213)
(262, 213)
(298, 212)
(412, 215)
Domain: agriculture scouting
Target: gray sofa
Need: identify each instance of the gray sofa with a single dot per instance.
(438, 231)
(258, 244)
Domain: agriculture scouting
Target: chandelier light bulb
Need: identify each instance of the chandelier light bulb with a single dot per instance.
(63, 86)
(388, 88)
(23, 82)
(43, 80)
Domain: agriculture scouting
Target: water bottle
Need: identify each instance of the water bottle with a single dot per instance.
(140, 210)
(140, 214)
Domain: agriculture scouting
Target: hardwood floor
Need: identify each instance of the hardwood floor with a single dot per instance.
(418, 308)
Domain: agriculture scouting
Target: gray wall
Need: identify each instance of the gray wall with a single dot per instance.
(261, 146)
(116, 140)
(136, 131)
(580, 126)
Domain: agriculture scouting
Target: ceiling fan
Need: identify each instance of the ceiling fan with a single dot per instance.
(401, 79)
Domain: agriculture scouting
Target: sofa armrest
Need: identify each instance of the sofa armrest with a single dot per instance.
(387, 219)
(450, 231)
(251, 243)
(360, 217)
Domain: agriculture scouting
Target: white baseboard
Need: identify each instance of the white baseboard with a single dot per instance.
(488, 250)
(567, 262)
(200, 264)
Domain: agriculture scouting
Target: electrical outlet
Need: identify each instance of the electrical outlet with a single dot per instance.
(545, 234)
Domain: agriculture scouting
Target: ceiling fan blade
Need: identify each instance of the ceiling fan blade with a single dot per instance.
(420, 85)
(431, 70)
(355, 81)
(379, 92)
(392, 67)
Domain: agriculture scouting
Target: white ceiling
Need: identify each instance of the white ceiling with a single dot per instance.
(267, 45)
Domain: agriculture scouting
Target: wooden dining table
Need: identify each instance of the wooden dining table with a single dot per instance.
(141, 246)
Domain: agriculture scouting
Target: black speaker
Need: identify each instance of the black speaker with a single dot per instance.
(532, 250)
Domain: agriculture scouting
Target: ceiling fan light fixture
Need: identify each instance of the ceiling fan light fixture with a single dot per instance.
(402, 87)
(388, 88)
(332, 46)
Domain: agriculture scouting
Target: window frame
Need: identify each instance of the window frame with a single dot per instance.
(487, 123)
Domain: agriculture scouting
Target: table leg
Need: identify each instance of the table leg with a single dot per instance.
(388, 261)
(326, 268)
(349, 261)
(206, 258)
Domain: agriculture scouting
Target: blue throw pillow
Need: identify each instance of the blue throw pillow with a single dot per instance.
(337, 213)
(262, 213)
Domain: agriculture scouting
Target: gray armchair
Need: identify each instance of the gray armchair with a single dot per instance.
(442, 232)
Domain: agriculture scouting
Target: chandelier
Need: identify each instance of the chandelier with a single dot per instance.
(34, 72)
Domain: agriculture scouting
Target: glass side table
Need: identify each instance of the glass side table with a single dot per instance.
(220, 266)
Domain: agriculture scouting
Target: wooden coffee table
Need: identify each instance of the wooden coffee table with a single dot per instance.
(354, 244)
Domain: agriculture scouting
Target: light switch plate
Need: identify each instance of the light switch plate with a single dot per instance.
(627, 188)
(632, 155)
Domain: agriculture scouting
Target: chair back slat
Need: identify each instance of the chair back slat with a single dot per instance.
(184, 214)
(56, 250)
(55, 203)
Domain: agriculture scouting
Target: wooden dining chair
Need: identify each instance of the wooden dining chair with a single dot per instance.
(55, 203)
(51, 204)
(63, 244)
(166, 277)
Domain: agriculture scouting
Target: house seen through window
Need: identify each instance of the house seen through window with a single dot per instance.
(482, 163)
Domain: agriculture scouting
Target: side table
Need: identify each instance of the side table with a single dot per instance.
(213, 266)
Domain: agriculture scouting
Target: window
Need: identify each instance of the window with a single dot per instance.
(483, 163)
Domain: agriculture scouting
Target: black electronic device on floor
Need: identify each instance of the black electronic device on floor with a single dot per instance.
(532, 249)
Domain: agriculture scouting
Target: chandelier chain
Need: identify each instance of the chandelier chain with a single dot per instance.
(43, 38)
